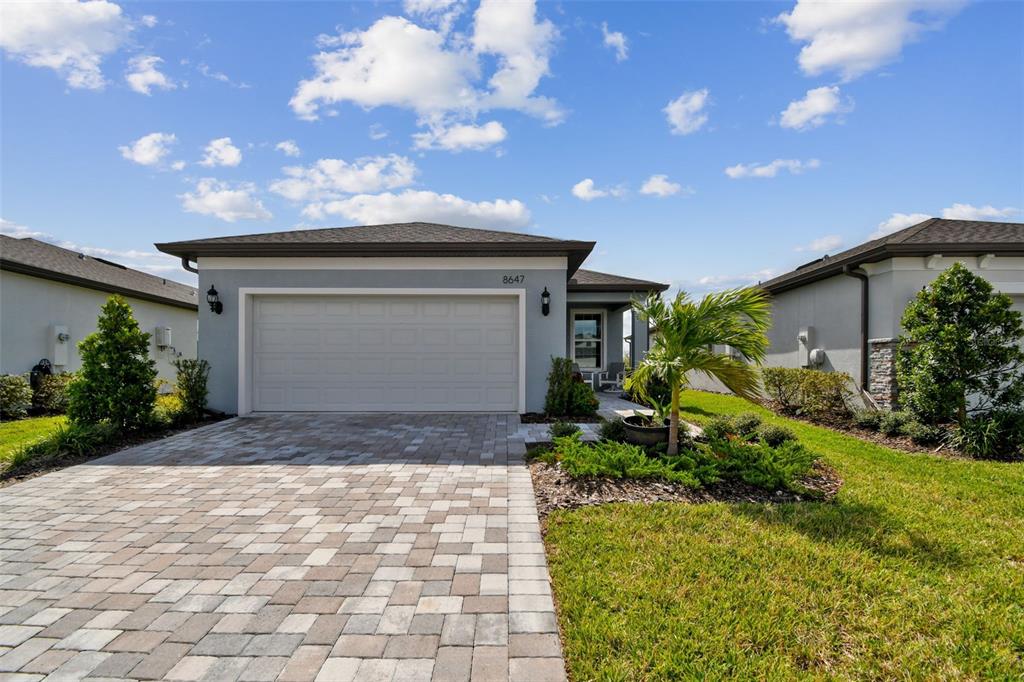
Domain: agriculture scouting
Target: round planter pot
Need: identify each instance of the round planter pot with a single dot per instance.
(638, 434)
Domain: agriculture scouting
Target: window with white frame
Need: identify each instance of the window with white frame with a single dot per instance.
(588, 339)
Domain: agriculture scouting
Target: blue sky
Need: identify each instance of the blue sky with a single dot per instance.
(723, 142)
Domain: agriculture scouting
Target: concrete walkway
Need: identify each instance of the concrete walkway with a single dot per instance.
(285, 547)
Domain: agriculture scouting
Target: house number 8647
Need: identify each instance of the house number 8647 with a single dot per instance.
(513, 279)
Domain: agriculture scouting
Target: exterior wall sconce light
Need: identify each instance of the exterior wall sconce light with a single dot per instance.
(545, 302)
(214, 300)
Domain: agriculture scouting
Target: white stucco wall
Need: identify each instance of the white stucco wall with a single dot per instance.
(831, 307)
(30, 306)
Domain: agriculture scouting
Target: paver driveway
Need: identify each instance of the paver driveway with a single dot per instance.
(291, 547)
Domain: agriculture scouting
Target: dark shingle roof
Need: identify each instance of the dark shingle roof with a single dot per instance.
(397, 239)
(33, 257)
(589, 280)
(933, 236)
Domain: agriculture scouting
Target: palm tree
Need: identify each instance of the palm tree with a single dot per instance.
(686, 332)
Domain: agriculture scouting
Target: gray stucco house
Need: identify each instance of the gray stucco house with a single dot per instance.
(51, 297)
(404, 317)
(843, 312)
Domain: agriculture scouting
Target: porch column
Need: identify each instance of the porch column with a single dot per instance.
(641, 342)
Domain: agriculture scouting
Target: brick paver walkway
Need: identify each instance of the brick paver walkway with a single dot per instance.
(284, 547)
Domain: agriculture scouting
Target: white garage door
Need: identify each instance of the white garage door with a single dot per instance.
(385, 353)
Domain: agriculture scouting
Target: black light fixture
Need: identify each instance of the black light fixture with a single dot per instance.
(214, 300)
(545, 302)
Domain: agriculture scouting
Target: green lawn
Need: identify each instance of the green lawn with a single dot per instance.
(16, 434)
(916, 571)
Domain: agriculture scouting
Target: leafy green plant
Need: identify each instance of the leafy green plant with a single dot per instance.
(687, 332)
(962, 352)
(746, 423)
(824, 394)
(71, 439)
(582, 401)
(719, 427)
(51, 396)
(867, 418)
(613, 430)
(922, 434)
(891, 423)
(115, 382)
(998, 435)
(782, 386)
(560, 429)
(765, 466)
(616, 460)
(775, 435)
(15, 396)
(191, 387)
(560, 381)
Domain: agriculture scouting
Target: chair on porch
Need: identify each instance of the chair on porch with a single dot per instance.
(612, 377)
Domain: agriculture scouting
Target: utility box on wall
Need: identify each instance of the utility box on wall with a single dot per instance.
(61, 340)
(162, 337)
(804, 344)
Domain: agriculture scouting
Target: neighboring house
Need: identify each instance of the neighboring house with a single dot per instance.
(50, 299)
(842, 312)
(404, 317)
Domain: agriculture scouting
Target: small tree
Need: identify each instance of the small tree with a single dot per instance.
(191, 387)
(116, 380)
(960, 353)
(688, 330)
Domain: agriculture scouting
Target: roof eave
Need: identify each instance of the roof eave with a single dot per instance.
(618, 288)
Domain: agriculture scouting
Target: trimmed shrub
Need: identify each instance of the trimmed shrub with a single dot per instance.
(782, 386)
(582, 401)
(892, 423)
(15, 396)
(867, 418)
(72, 439)
(562, 429)
(746, 424)
(616, 460)
(759, 464)
(51, 396)
(614, 430)
(824, 394)
(775, 435)
(191, 387)
(560, 382)
(922, 434)
(719, 428)
(998, 435)
(116, 381)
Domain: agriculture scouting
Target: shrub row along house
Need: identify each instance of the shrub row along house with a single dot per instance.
(842, 313)
(403, 317)
(50, 297)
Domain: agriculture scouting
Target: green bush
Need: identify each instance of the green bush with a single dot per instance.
(891, 423)
(51, 396)
(567, 396)
(72, 439)
(116, 381)
(616, 460)
(719, 428)
(759, 464)
(582, 401)
(560, 429)
(922, 434)
(775, 435)
(998, 435)
(614, 430)
(15, 396)
(867, 418)
(191, 387)
(746, 423)
(782, 386)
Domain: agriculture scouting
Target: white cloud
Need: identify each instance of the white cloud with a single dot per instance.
(822, 244)
(329, 178)
(288, 147)
(221, 152)
(969, 212)
(770, 170)
(13, 229)
(378, 132)
(72, 38)
(898, 221)
(206, 71)
(413, 205)
(854, 38)
(149, 21)
(143, 75)
(814, 109)
(440, 13)
(149, 150)
(396, 62)
(178, 165)
(686, 113)
(461, 136)
(711, 283)
(225, 201)
(585, 190)
(616, 41)
(661, 186)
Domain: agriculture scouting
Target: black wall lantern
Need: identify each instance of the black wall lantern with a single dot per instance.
(214, 300)
(545, 302)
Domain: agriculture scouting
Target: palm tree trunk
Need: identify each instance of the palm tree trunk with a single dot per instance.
(673, 423)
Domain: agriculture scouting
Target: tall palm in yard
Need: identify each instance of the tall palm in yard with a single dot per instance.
(686, 332)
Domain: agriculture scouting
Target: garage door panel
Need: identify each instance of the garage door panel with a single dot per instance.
(387, 353)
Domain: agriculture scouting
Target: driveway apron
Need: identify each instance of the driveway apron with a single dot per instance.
(284, 547)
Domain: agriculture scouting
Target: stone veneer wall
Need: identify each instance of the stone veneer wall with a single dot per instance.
(882, 372)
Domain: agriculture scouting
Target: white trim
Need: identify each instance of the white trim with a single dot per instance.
(245, 295)
(604, 334)
(383, 263)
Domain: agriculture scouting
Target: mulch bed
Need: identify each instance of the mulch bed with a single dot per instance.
(541, 418)
(43, 465)
(555, 489)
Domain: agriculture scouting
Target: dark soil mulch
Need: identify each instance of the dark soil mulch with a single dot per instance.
(555, 489)
(37, 466)
(541, 418)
